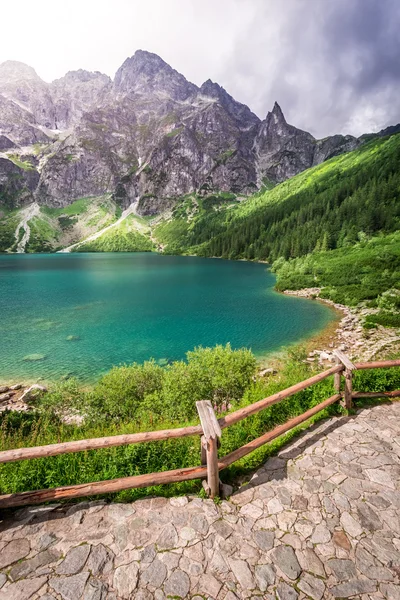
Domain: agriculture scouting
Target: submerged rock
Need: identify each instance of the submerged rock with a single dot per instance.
(34, 357)
(72, 338)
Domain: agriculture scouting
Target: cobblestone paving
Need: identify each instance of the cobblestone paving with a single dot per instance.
(321, 520)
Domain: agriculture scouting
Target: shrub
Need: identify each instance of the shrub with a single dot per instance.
(218, 374)
(120, 393)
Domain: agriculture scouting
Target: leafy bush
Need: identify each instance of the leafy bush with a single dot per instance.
(382, 318)
(218, 374)
(120, 393)
(389, 300)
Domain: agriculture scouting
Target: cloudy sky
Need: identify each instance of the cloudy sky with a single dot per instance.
(333, 65)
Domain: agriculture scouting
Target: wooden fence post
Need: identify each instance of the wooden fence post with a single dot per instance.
(348, 389)
(209, 445)
(337, 377)
(348, 378)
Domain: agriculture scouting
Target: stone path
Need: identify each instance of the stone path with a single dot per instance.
(321, 520)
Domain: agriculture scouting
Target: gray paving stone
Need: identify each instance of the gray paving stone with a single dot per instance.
(209, 584)
(177, 584)
(312, 586)
(74, 560)
(3, 579)
(368, 517)
(265, 576)
(69, 588)
(286, 592)
(26, 567)
(264, 539)
(155, 574)
(168, 538)
(100, 560)
(354, 587)
(22, 590)
(95, 590)
(223, 528)
(242, 572)
(350, 525)
(381, 477)
(285, 558)
(310, 562)
(343, 569)
(390, 591)
(199, 524)
(13, 552)
(370, 567)
(125, 580)
(321, 534)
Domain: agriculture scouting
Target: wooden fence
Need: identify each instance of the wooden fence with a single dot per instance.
(210, 430)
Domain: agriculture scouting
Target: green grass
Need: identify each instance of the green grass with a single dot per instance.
(26, 165)
(174, 132)
(122, 238)
(78, 207)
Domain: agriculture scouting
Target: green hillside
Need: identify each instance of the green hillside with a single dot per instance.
(128, 236)
(323, 208)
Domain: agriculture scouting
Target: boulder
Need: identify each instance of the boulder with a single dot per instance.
(32, 391)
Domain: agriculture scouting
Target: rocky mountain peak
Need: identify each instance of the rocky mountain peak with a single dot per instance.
(240, 112)
(83, 76)
(12, 71)
(276, 116)
(147, 73)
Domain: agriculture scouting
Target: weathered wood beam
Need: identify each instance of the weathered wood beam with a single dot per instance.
(345, 360)
(394, 394)
(247, 411)
(378, 364)
(208, 420)
(96, 443)
(212, 467)
(102, 487)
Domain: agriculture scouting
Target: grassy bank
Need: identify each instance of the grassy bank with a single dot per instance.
(147, 397)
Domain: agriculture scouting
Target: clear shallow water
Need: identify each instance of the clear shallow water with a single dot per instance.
(130, 307)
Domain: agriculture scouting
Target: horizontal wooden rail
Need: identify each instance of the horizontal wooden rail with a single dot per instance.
(102, 487)
(379, 364)
(272, 435)
(96, 443)
(394, 394)
(247, 411)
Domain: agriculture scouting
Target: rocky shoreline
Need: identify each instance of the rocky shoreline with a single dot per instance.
(18, 397)
(350, 336)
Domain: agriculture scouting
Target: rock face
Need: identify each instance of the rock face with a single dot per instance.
(283, 150)
(148, 136)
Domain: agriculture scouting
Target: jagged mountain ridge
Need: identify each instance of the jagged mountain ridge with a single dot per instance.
(148, 135)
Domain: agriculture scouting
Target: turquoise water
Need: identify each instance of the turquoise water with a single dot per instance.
(80, 314)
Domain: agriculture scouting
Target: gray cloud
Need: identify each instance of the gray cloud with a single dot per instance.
(333, 65)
